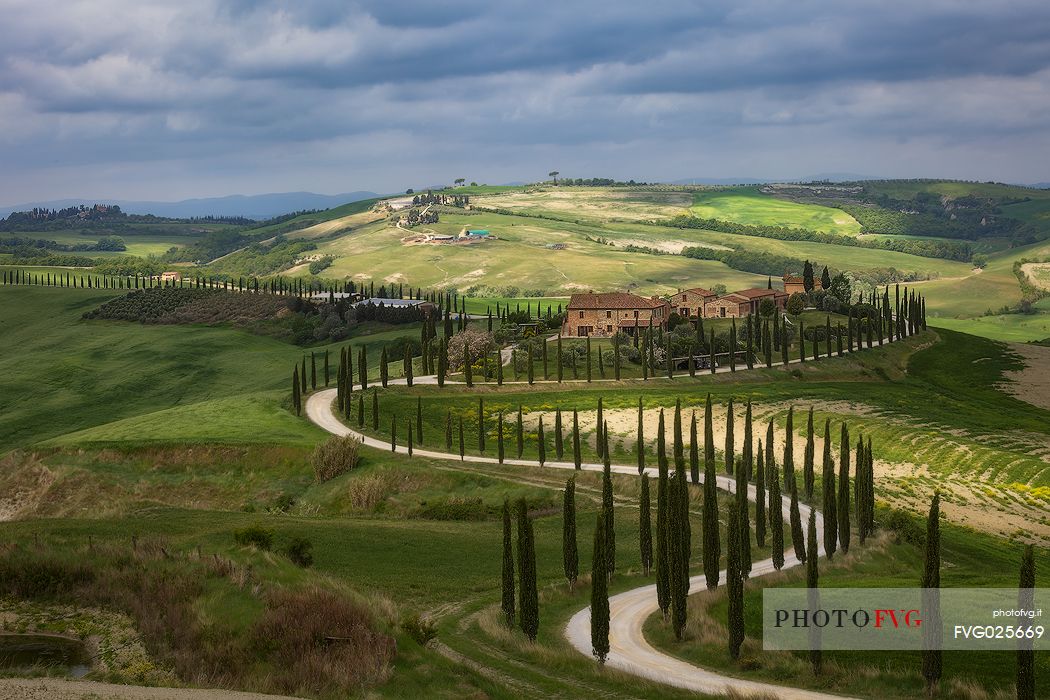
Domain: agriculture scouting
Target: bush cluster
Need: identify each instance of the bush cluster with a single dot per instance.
(335, 456)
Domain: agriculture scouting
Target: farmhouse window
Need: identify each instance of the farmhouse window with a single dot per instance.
(608, 314)
(581, 314)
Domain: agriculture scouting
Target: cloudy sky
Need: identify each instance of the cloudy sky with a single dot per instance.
(143, 99)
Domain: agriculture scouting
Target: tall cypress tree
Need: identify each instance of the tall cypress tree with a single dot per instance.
(812, 583)
(448, 431)
(393, 433)
(599, 594)
(589, 364)
(760, 498)
(743, 520)
(296, 401)
(931, 580)
(302, 377)
(730, 446)
(645, 530)
(789, 450)
(577, 458)
(748, 453)
(558, 360)
(1025, 653)
(327, 370)
(529, 605)
(500, 451)
(797, 535)
(541, 442)
(481, 425)
(694, 452)
(842, 509)
(776, 519)
(361, 410)
(663, 562)
(808, 478)
(734, 585)
(570, 557)
(600, 426)
(419, 419)
(384, 374)
(507, 605)
(709, 514)
(830, 496)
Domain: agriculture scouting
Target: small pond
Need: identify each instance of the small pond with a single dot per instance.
(43, 652)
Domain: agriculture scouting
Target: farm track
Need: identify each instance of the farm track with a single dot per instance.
(629, 650)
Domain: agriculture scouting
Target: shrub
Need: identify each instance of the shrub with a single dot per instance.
(34, 578)
(419, 628)
(300, 551)
(905, 526)
(254, 536)
(336, 456)
(795, 304)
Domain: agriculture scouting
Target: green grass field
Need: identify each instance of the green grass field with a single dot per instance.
(749, 206)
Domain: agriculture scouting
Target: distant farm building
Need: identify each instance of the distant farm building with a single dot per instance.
(793, 285)
(741, 303)
(605, 314)
(690, 303)
(475, 233)
(326, 297)
(170, 276)
(424, 306)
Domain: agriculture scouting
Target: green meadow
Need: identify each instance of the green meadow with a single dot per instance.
(750, 206)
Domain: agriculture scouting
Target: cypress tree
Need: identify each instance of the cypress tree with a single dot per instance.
(462, 444)
(361, 410)
(748, 453)
(732, 347)
(601, 363)
(607, 510)
(296, 403)
(384, 374)
(409, 438)
(808, 477)
(302, 377)
(760, 498)
(1025, 653)
(797, 535)
(577, 458)
(842, 510)
(313, 371)
(407, 366)
(711, 348)
(559, 448)
(327, 372)
(812, 583)
(468, 365)
(481, 425)
(639, 444)
(789, 450)
(362, 365)
(616, 357)
(730, 446)
(931, 580)
(784, 341)
(776, 519)
(499, 439)
(393, 433)
(668, 358)
(570, 557)
(520, 433)
(830, 496)
(709, 514)
(448, 431)
(694, 452)
(734, 585)
(801, 341)
(663, 573)
(499, 369)
(529, 605)
(645, 530)
(541, 441)
(599, 595)
(530, 372)
(543, 355)
(442, 361)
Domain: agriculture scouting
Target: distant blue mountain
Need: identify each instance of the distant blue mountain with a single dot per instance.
(257, 206)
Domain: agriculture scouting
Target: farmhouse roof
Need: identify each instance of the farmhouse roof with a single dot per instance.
(756, 293)
(612, 300)
(792, 279)
(699, 290)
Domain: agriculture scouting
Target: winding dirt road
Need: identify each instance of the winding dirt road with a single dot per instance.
(628, 611)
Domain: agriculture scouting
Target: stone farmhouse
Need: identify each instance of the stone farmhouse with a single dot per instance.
(604, 314)
(746, 301)
(794, 285)
(690, 303)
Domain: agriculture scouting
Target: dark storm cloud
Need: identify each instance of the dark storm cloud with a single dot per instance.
(380, 94)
